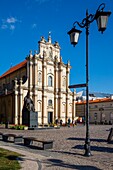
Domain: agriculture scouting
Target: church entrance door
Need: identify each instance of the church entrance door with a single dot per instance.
(50, 117)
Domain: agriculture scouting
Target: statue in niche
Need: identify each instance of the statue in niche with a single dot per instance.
(56, 58)
(64, 82)
(28, 103)
(44, 54)
(50, 53)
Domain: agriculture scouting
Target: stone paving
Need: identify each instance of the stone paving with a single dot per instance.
(68, 148)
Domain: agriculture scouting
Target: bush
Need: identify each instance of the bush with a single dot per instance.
(18, 127)
(22, 127)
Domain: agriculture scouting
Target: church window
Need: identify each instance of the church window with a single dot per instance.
(49, 102)
(95, 116)
(24, 78)
(50, 81)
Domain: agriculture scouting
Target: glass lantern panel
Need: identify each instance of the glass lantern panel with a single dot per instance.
(74, 37)
(102, 22)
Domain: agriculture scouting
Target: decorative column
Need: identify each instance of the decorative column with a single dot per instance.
(73, 105)
(67, 91)
(44, 85)
(60, 90)
(35, 80)
(30, 72)
(16, 103)
(56, 90)
(21, 102)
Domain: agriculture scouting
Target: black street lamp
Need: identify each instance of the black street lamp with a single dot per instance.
(101, 17)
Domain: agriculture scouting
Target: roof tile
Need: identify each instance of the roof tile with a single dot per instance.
(15, 68)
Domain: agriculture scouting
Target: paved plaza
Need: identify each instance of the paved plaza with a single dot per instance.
(68, 148)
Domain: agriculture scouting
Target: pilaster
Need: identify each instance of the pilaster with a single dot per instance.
(73, 105)
(60, 89)
(44, 85)
(56, 90)
(21, 102)
(30, 71)
(16, 102)
(35, 71)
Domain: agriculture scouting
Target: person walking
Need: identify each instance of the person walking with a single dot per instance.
(69, 122)
(73, 122)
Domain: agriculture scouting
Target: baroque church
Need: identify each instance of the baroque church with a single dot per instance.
(46, 78)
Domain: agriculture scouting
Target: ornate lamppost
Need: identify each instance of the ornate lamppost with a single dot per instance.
(101, 17)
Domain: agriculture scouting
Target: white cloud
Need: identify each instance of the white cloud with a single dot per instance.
(12, 27)
(11, 20)
(4, 26)
(9, 23)
(34, 25)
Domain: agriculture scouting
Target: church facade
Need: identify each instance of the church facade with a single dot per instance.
(45, 76)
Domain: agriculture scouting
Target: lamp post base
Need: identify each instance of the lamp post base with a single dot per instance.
(87, 149)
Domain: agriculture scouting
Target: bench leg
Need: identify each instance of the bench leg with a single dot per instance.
(110, 135)
(1, 136)
(5, 138)
(27, 142)
(47, 145)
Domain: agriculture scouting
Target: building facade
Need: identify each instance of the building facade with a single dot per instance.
(46, 78)
(100, 110)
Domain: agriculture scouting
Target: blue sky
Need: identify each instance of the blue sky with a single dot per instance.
(23, 22)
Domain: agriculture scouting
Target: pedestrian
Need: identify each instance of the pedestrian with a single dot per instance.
(61, 122)
(56, 121)
(69, 122)
(73, 122)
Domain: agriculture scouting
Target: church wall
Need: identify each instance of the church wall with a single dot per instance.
(6, 109)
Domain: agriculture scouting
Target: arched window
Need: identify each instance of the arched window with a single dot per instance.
(49, 102)
(50, 81)
(95, 116)
(24, 78)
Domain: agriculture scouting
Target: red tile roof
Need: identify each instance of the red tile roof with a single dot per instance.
(96, 101)
(15, 68)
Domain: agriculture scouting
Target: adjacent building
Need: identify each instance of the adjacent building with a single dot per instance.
(46, 78)
(100, 110)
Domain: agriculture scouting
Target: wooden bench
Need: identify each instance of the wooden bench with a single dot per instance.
(47, 144)
(16, 138)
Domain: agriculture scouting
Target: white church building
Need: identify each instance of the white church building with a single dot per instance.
(46, 77)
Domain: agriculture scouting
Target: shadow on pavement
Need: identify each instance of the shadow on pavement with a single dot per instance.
(83, 139)
(66, 152)
(96, 148)
(60, 163)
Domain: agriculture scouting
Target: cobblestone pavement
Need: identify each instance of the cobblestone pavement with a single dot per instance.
(68, 148)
